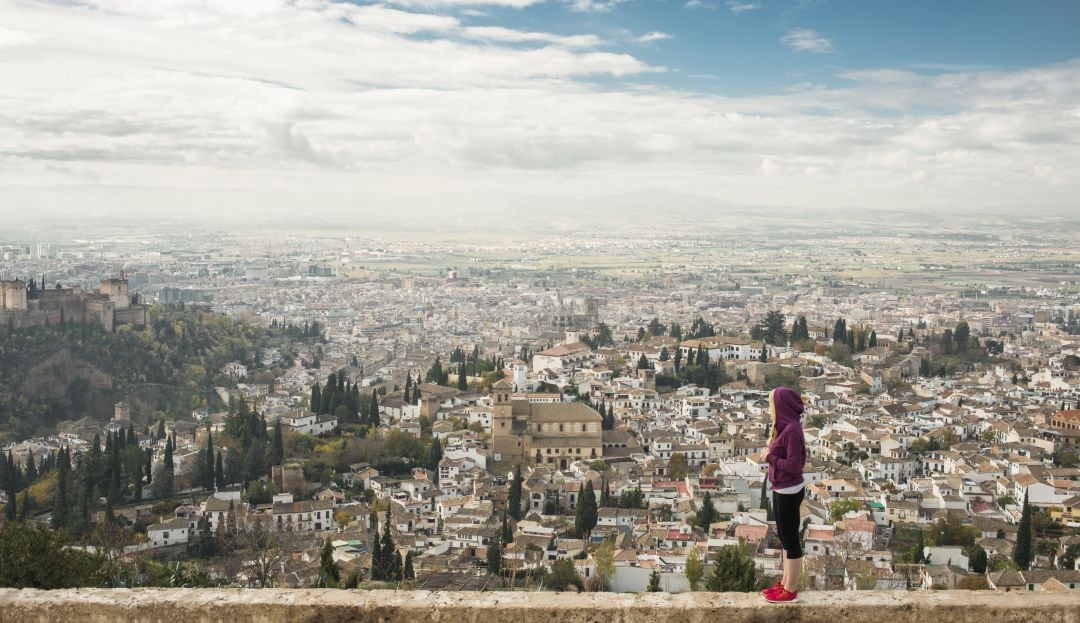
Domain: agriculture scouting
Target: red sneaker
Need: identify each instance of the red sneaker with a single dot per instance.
(782, 596)
(775, 587)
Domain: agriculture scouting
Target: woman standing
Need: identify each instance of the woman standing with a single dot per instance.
(787, 454)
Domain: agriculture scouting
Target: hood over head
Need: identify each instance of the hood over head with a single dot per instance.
(786, 406)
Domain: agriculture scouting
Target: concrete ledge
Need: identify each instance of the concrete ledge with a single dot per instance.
(148, 605)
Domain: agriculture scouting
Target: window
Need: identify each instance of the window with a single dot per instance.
(560, 428)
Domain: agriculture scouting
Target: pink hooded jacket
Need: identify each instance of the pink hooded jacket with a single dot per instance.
(787, 451)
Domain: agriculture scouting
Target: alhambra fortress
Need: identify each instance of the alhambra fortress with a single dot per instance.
(25, 305)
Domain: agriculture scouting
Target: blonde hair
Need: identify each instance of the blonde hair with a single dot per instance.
(772, 417)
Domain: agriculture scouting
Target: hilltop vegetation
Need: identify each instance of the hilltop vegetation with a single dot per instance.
(169, 367)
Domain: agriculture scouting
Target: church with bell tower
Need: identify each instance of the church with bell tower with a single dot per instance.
(549, 433)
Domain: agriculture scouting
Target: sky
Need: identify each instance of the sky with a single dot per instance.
(453, 103)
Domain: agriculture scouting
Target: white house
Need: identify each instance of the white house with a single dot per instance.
(308, 423)
(173, 532)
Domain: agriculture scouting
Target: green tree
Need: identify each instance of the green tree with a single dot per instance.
(586, 514)
(390, 558)
(977, 559)
(61, 505)
(765, 504)
(37, 557)
(677, 465)
(564, 574)
(654, 582)
(378, 565)
(513, 499)
(494, 556)
(328, 568)
(373, 410)
(695, 569)
(772, 329)
(840, 331)
(841, 507)
(604, 557)
(1022, 551)
(277, 445)
(506, 533)
(603, 336)
(707, 515)
(219, 472)
(916, 553)
(733, 570)
(208, 457)
(962, 336)
(410, 573)
(951, 531)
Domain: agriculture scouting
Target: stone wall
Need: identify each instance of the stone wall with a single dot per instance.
(326, 606)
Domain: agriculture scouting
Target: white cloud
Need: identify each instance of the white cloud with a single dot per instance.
(509, 35)
(655, 35)
(698, 4)
(12, 38)
(594, 6)
(807, 40)
(318, 96)
(449, 4)
(737, 7)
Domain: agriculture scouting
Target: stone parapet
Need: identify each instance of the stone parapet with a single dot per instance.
(148, 605)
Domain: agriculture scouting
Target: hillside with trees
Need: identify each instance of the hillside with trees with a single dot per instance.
(65, 372)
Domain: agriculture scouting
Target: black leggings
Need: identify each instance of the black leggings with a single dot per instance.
(786, 510)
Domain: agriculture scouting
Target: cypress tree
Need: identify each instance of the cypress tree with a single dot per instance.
(61, 505)
(506, 534)
(391, 558)
(707, 515)
(277, 446)
(766, 504)
(149, 465)
(316, 397)
(436, 455)
(513, 500)
(24, 506)
(31, 469)
(1022, 552)
(494, 556)
(373, 412)
(410, 574)
(208, 473)
(327, 566)
(114, 470)
(654, 582)
(219, 472)
(377, 564)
